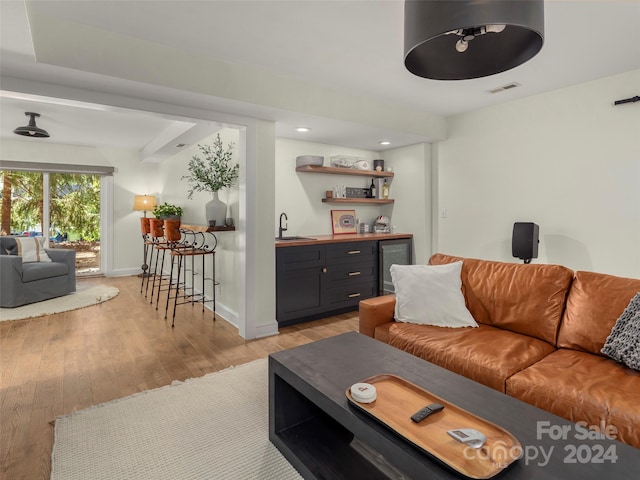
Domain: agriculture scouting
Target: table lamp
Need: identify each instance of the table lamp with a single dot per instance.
(144, 203)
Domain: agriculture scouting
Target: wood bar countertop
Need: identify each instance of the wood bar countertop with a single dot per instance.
(204, 228)
(348, 237)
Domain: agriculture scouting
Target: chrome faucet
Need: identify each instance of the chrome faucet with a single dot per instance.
(282, 229)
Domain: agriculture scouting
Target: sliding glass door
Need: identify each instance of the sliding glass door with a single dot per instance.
(74, 218)
(22, 203)
(64, 207)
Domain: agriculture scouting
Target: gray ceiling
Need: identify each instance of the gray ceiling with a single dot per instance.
(351, 46)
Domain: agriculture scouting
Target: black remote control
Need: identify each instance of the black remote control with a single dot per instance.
(426, 411)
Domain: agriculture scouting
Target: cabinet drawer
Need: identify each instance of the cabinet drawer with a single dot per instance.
(351, 272)
(296, 258)
(324, 279)
(346, 295)
(351, 252)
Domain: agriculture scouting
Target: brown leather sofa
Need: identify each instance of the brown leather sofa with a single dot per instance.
(539, 336)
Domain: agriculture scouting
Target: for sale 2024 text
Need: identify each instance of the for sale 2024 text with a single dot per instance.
(575, 452)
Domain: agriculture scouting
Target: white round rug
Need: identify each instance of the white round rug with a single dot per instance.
(83, 297)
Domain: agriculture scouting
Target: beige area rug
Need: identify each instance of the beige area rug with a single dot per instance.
(84, 296)
(213, 427)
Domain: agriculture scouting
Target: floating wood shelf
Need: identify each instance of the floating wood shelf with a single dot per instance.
(221, 229)
(343, 171)
(377, 201)
(205, 228)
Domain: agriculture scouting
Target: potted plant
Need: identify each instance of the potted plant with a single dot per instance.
(167, 211)
(212, 173)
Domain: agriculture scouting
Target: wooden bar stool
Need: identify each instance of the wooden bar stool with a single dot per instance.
(159, 245)
(145, 229)
(184, 245)
(172, 242)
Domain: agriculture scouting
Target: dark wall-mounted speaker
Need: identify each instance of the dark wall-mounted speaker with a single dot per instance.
(524, 242)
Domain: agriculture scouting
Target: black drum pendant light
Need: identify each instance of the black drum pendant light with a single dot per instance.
(464, 39)
(31, 130)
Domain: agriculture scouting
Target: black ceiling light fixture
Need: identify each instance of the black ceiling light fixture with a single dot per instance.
(31, 130)
(465, 39)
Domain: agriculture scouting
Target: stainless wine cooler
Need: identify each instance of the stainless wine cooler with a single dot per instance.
(391, 252)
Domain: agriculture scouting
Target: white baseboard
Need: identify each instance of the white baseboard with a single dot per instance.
(231, 316)
(222, 310)
(267, 329)
(225, 312)
(124, 272)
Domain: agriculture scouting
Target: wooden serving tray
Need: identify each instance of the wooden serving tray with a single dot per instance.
(398, 399)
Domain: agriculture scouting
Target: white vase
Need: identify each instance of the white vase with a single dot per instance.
(216, 210)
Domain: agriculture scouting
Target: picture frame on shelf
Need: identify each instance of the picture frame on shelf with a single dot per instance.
(343, 221)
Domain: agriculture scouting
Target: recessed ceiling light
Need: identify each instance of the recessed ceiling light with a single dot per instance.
(384, 142)
(303, 129)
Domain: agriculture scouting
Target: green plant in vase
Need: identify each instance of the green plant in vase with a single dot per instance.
(167, 211)
(215, 171)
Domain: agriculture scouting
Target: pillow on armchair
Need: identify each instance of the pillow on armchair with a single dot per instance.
(430, 295)
(31, 249)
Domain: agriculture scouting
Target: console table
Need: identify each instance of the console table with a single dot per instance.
(312, 423)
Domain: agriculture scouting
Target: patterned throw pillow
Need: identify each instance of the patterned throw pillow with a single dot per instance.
(623, 344)
(31, 249)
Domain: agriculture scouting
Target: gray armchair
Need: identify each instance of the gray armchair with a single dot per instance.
(23, 283)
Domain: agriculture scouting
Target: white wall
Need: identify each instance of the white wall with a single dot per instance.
(174, 191)
(131, 177)
(300, 194)
(258, 188)
(255, 279)
(568, 160)
(411, 189)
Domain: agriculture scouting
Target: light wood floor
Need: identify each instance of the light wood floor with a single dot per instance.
(62, 363)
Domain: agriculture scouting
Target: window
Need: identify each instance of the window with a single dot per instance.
(57, 202)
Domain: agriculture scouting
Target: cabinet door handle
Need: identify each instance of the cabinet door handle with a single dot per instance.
(324, 269)
(353, 252)
(353, 295)
(354, 274)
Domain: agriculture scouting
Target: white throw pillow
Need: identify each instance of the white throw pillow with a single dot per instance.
(430, 295)
(31, 249)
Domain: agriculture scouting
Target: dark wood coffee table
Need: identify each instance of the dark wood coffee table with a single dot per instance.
(312, 423)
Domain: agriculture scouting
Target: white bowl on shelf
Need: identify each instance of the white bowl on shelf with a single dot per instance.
(346, 161)
(341, 162)
(362, 165)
